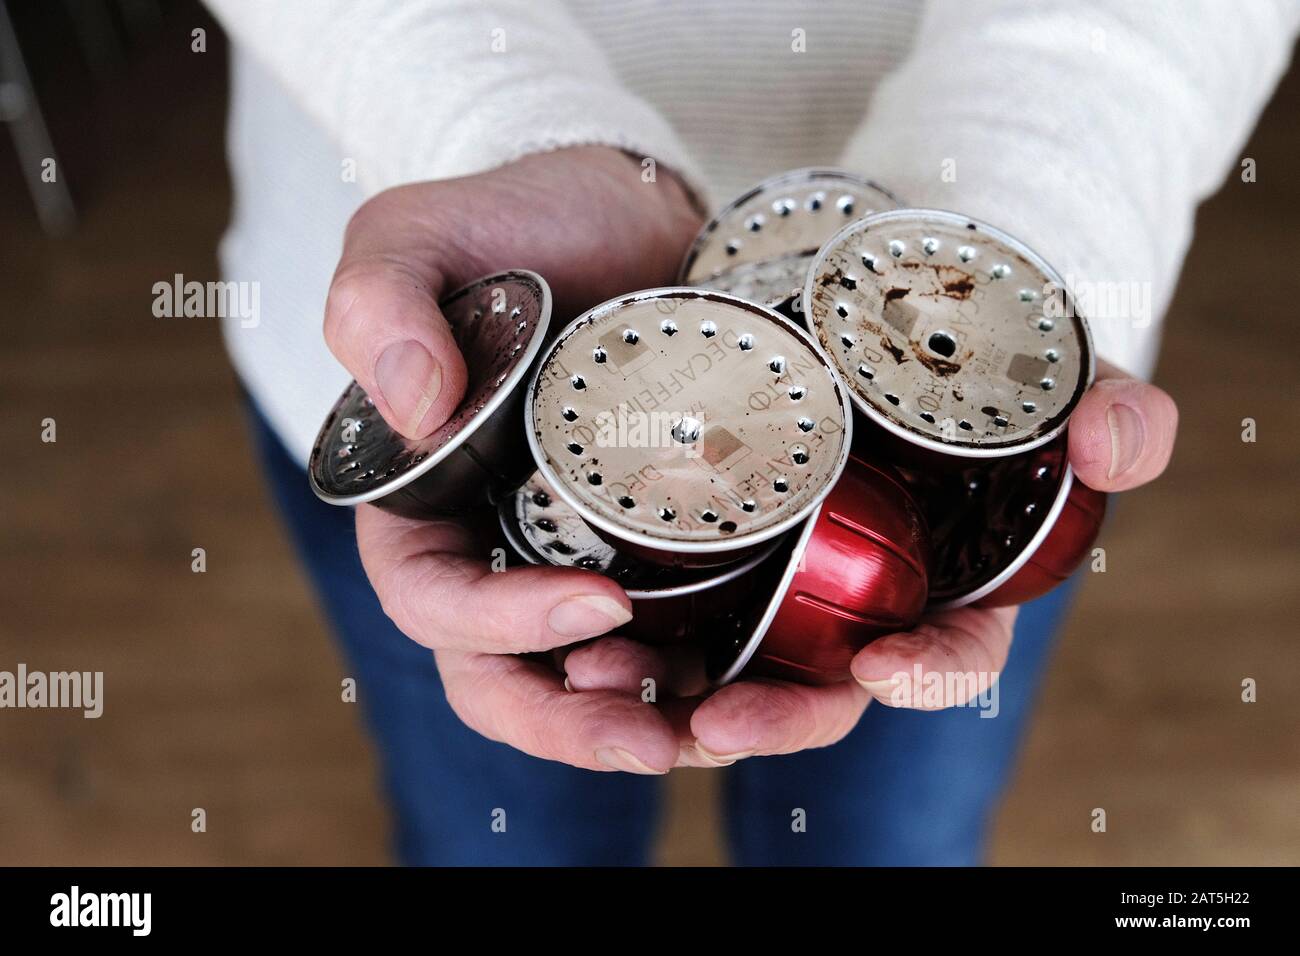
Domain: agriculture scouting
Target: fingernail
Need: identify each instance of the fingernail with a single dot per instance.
(568, 686)
(409, 380)
(694, 756)
(1127, 434)
(616, 758)
(721, 760)
(889, 690)
(587, 615)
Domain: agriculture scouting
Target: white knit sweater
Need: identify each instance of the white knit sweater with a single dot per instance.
(1088, 129)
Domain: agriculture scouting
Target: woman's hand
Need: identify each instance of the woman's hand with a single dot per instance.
(1121, 436)
(586, 220)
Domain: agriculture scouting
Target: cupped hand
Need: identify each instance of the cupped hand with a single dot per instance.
(587, 220)
(1121, 436)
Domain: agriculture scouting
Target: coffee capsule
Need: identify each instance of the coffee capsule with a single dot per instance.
(1067, 543)
(761, 245)
(668, 604)
(687, 427)
(997, 529)
(499, 322)
(856, 571)
(954, 337)
(545, 530)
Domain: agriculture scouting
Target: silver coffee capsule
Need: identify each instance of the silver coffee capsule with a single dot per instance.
(952, 335)
(761, 245)
(687, 426)
(500, 323)
(543, 529)
(669, 605)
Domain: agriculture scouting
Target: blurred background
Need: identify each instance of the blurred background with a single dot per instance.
(223, 688)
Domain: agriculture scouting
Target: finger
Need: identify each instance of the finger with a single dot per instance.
(672, 677)
(755, 717)
(441, 596)
(1122, 433)
(678, 711)
(525, 705)
(620, 663)
(968, 647)
(383, 324)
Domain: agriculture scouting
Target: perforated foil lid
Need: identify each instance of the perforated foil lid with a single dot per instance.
(685, 420)
(499, 323)
(767, 283)
(761, 245)
(951, 334)
(543, 529)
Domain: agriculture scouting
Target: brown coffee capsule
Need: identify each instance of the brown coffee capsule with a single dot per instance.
(686, 426)
(953, 336)
(500, 323)
(761, 245)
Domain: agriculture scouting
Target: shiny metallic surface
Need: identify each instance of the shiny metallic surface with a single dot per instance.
(1064, 548)
(987, 518)
(500, 323)
(761, 245)
(687, 426)
(857, 571)
(768, 283)
(669, 605)
(952, 335)
(553, 533)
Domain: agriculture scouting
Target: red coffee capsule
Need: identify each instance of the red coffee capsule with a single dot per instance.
(956, 339)
(857, 571)
(687, 427)
(761, 245)
(1064, 548)
(668, 604)
(499, 322)
(1005, 530)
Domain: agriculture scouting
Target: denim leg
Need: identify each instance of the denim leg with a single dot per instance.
(447, 784)
(905, 787)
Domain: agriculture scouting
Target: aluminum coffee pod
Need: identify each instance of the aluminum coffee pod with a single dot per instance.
(500, 323)
(1063, 549)
(760, 246)
(668, 604)
(953, 336)
(687, 427)
(857, 571)
(990, 519)
(545, 530)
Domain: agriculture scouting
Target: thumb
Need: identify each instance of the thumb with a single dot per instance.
(1122, 432)
(382, 322)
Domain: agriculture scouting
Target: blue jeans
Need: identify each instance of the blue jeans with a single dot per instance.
(904, 788)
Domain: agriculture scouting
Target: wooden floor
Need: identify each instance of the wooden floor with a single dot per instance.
(223, 687)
